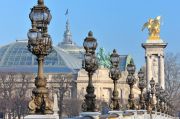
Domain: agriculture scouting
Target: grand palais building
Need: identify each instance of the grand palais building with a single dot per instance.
(65, 59)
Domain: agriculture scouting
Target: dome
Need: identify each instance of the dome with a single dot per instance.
(15, 56)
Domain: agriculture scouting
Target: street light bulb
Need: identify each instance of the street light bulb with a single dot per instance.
(90, 44)
(141, 74)
(33, 36)
(114, 58)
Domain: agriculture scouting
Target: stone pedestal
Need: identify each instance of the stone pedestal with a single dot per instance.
(94, 115)
(41, 117)
(154, 54)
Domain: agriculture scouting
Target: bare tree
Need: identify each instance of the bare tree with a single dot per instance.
(72, 107)
(6, 88)
(21, 99)
(13, 89)
(62, 83)
(172, 78)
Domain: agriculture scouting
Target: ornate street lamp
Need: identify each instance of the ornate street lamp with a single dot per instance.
(131, 80)
(161, 100)
(148, 101)
(152, 84)
(165, 99)
(142, 85)
(115, 74)
(40, 44)
(157, 93)
(90, 64)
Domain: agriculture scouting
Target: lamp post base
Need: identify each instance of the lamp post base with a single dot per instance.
(40, 103)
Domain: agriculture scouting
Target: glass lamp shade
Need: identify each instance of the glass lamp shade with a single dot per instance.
(131, 67)
(161, 90)
(33, 36)
(90, 43)
(40, 15)
(141, 74)
(114, 58)
(152, 82)
(142, 84)
(157, 87)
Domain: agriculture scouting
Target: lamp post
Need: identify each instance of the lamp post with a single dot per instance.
(40, 44)
(148, 101)
(152, 84)
(131, 80)
(115, 74)
(161, 100)
(157, 93)
(142, 85)
(90, 64)
(165, 101)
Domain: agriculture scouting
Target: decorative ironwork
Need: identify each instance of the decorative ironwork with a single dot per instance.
(152, 84)
(90, 64)
(148, 101)
(142, 85)
(115, 74)
(40, 44)
(131, 80)
(161, 100)
(157, 94)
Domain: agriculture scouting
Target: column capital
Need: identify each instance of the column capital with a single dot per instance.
(148, 56)
(161, 56)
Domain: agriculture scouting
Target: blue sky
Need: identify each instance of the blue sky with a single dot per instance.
(115, 23)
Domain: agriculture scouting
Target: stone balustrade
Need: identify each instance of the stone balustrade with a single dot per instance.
(129, 114)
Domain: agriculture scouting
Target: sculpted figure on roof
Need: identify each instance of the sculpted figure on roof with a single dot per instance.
(103, 59)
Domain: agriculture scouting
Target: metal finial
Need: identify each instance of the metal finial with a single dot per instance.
(40, 2)
(114, 51)
(132, 62)
(90, 33)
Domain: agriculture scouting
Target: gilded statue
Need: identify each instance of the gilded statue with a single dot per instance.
(153, 26)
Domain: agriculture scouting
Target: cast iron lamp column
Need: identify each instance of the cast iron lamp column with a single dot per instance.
(40, 44)
(152, 84)
(114, 74)
(90, 64)
(165, 101)
(142, 85)
(157, 93)
(161, 100)
(148, 101)
(131, 80)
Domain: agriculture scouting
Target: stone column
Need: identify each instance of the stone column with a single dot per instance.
(161, 67)
(148, 71)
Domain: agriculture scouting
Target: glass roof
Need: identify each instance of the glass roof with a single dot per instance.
(17, 57)
(17, 54)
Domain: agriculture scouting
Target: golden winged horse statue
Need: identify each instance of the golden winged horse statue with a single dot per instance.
(153, 26)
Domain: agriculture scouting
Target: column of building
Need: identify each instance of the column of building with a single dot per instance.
(148, 70)
(161, 71)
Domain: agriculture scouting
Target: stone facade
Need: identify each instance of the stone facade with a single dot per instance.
(154, 55)
(104, 85)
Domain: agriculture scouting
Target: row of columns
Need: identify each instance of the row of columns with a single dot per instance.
(149, 75)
